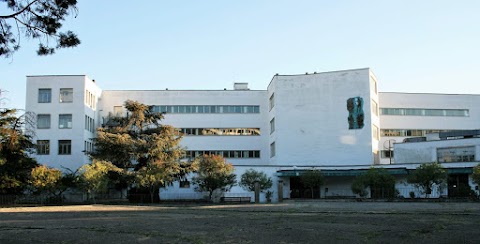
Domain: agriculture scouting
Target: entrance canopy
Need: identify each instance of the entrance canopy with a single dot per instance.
(356, 172)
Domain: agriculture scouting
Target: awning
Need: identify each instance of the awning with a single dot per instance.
(331, 172)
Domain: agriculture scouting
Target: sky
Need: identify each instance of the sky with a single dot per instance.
(429, 46)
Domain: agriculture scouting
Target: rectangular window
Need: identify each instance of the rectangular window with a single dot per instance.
(374, 108)
(386, 154)
(272, 149)
(45, 95)
(456, 154)
(43, 147)
(66, 95)
(374, 85)
(43, 121)
(272, 101)
(375, 132)
(65, 121)
(64, 147)
(272, 125)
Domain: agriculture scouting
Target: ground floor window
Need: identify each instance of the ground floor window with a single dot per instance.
(64, 147)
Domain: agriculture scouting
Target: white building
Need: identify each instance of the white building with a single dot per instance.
(334, 121)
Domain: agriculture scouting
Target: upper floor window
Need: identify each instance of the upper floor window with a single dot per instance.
(45, 95)
(206, 109)
(65, 121)
(43, 147)
(66, 95)
(272, 101)
(272, 125)
(272, 149)
(375, 108)
(456, 154)
(43, 121)
(425, 112)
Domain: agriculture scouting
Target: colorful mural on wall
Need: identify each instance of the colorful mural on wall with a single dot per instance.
(355, 113)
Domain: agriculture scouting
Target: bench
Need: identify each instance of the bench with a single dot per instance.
(235, 199)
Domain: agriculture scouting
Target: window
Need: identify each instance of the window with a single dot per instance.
(386, 154)
(374, 108)
(65, 121)
(44, 95)
(43, 121)
(64, 147)
(204, 109)
(272, 101)
(375, 132)
(66, 95)
(374, 85)
(456, 154)
(238, 154)
(425, 112)
(272, 149)
(184, 184)
(272, 125)
(43, 147)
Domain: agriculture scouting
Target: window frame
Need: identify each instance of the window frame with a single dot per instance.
(41, 95)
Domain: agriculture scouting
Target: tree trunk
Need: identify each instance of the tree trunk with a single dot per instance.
(210, 196)
(311, 189)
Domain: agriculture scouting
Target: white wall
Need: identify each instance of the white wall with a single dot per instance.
(311, 119)
(77, 108)
(426, 152)
(430, 101)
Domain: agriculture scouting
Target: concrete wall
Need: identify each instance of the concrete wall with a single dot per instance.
(426, 152)
(77, 108)
(311, 119)
(430, 101)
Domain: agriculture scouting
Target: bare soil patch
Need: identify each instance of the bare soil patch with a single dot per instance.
(292, 222)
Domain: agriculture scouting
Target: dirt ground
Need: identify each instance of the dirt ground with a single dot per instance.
(291, 222)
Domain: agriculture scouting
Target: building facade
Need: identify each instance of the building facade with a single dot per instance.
(336, 121)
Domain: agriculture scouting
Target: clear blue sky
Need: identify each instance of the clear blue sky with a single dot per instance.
(411, 45)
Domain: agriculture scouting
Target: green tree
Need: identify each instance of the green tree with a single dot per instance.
(15, 163)
(213, 173)
(312, 179)
(248, 179)
(158, 174)
(94, 177)
(476, 174)
(380, 182)
(36, 19)
(427, 175)
(139, 141)
(45, 180)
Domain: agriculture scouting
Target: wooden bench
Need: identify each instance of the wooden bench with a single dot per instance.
(235, 199)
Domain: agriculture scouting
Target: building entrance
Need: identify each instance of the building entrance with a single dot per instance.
(458, 185)
(298, 190)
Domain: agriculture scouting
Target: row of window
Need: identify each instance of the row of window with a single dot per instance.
(206, 109)
(456, 154)
(64, 121)
(220, 131)
(64, 147)
(45, 95)
(425, 112)
(408, 132)
(88, 146)
(89, 124)
(90, 99)
(225, 154)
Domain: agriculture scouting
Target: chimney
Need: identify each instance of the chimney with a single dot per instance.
(241, 86)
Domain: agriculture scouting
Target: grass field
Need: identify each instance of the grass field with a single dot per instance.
(291, 222)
